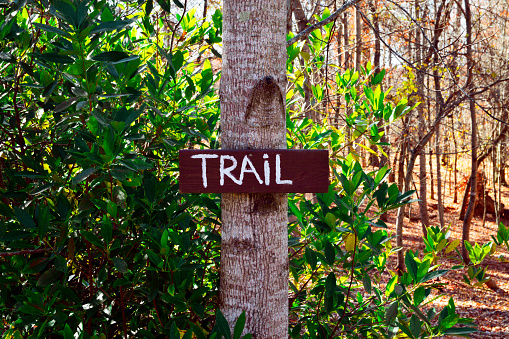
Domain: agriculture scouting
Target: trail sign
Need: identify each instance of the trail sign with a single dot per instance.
(254, 171)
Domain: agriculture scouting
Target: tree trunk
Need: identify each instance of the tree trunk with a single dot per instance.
(376, 160)
(439, 109)
(289, 12)
(254, 240)
(302, 24)
(423, 181)
(440, 203)
(358, 39)
(473, 143)
(403, 184)
(346, 40)
(455, 166)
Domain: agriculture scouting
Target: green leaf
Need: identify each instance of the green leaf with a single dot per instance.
(433, 275)
(109, 144)
(330, 253)
(391, 285)
(391, 312)
(177, 60)
(92, 238)
(165, 5)
(154, 258)
(366, 282)
(120, 264)
(149, 5)
(82, 12)
(449, 321)
(378, 77)
(67, 11)
(149, 183)
(239, 325)
(111, 208)
(311, 257)
(15, 235)
(46, 92)
(51, 29)
(83, 175)
(411, 265)
(330, 285)
(49, 277)
(24, 217)
(419, 295)
(36, 265)
(415, 326)
(56, 58)
(65, 104)
(106, 231)
(179, 4)
(43, 220)
(222, 325)
(423, 269)
(165, 55)
(31, 309)
(330, 219)
(109, 26)
(41, 188)
(68, 334)
(111, 56)
(174, 333)
(121, 282)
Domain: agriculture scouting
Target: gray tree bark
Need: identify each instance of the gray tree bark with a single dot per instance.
(423, 181)
(254, 240)
(473, 143)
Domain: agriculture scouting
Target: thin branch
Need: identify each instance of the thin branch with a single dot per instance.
(35, 251)
(305, 33)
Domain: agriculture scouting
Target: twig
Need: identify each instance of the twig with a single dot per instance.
(39, 250)
(305, 33)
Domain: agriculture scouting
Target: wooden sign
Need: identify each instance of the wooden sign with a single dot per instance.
(254, 171)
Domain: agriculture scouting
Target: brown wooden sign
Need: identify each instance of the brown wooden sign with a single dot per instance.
(254, 171)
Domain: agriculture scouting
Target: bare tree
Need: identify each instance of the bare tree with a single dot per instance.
(473, 141)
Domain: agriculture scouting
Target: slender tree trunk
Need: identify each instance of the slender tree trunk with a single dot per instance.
(346, 40)
(358, 39)
(423, 181)
(473, 143)
(302, 24)
(440, 204)
(430, 151)
(403, 184)
(254, 240)
(205, 7)
(374, 159)
(498, 202)
(289, 12)
(439, 109)
(455, 166)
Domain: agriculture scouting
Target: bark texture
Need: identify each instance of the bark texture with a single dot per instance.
(254, 242)
(473, 143)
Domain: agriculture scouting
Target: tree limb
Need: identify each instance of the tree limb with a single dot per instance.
(34, 251)
(305, 33)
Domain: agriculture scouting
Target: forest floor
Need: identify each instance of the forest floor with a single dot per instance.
(488, 308)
